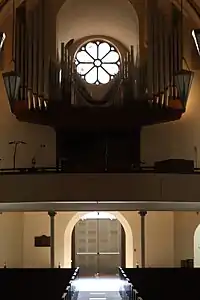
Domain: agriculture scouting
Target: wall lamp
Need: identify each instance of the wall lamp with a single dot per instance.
(11, 79)
(12, 84)
(196, 37)
(16, 144)
(183, 80)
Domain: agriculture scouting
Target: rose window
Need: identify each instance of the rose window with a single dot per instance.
(97, 62)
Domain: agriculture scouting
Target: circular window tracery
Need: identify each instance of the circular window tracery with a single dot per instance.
(97, 62)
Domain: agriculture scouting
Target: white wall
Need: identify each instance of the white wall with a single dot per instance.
(11, 129)
(169, 238)
(159, 238)
(184, 228)
(11, 239)
(35, 224)
(175, 139)
(114, 18)
(34, 135)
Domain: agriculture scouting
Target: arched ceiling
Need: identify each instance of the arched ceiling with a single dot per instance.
(115, 18)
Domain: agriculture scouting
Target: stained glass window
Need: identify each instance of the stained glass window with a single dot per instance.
(97, 62)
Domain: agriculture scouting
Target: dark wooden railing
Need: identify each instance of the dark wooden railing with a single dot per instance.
(160, 283)
(127, 290)
(50, 170)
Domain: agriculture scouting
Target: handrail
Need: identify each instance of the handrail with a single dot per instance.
(123, 275)
(70, 292)
(50, 170)
(128, 288)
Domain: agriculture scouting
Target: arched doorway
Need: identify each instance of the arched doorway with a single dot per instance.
(128, 243)
(197, 247)
(98, 244)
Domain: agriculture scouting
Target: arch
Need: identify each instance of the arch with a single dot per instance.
(77, 217)
(196, 244)
(116, 18)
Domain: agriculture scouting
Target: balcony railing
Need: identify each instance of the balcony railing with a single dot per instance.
(49, 185)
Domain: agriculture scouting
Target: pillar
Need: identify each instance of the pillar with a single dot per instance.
(142, 216)
(52, 238)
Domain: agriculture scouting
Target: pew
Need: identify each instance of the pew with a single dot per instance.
(161, 283)
(36, 284)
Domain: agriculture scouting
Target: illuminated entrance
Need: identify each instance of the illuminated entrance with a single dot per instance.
(98, 244)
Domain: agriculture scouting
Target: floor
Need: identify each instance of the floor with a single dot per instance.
(98, 288)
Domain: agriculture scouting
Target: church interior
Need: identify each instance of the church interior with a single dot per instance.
(99, 138)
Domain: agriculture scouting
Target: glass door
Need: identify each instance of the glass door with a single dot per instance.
(86, 247)
(109, 245)
(98, 246)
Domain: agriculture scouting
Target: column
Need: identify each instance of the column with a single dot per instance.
(52, 238)
(142, 215)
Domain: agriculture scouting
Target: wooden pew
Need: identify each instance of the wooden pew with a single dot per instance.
(34, 284)
(165, 283)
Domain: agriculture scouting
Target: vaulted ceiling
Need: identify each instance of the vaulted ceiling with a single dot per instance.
(114, 18)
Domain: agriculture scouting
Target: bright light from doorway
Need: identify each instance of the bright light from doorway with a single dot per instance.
(98, 215)
(99, 285)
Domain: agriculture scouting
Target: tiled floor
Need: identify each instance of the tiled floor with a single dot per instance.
(98, 288)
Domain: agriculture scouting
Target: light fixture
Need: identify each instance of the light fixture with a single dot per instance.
(196, 37)
(2, 39)
(183, 80)
(12, 83)
(12, 79)
(16, 144)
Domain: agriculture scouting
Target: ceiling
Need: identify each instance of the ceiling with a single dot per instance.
(114, 18)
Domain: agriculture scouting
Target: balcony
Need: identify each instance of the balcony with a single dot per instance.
(98, 119)
(131, 190)
(69, 104)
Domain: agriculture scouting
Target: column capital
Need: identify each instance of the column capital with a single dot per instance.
(51, 213)
(142, 213)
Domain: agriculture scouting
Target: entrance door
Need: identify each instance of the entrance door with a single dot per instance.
(98, 246)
